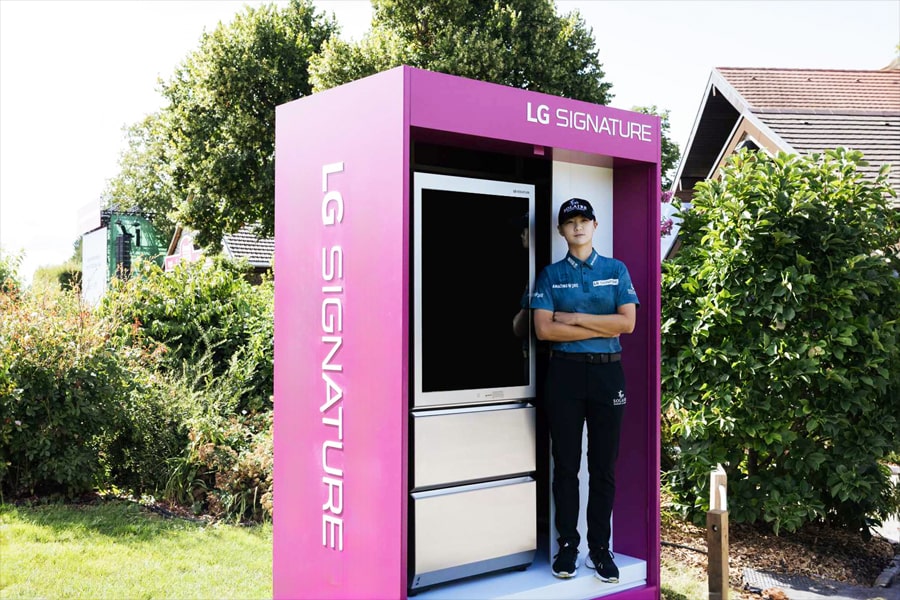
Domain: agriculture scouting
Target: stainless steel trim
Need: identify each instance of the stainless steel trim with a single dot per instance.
(471, 487)
(510, 561)
(475, 525)
(470, 445)
(423, 181)
(468, 409)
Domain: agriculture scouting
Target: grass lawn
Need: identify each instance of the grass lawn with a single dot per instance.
(684, 582)
(680, 582)
(119, 550)
(116, 550)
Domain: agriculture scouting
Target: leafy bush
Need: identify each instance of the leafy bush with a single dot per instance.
(166, 388)
(197, 420)
(62, 388)
(153, 429)
(226, 469)
(66, 276)
(224, 465)
(9, 272)
(781, 342)
(199, 308)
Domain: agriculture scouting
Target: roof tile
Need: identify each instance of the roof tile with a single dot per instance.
(245, 244)
(876, 136)
(815, 90)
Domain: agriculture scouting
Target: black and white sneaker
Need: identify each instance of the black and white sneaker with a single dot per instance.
(566, 561)
(602, 562)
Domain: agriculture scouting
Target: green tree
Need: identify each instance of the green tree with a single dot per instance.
(145, 178)
(781, 341)
(206, 160)
(520, 43)
(65, 275)
(669, 149)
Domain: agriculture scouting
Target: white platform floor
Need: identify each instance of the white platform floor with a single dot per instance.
(538, 583)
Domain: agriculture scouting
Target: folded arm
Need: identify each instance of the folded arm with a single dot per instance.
(570, 327)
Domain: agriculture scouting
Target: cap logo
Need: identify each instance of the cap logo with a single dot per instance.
(575, 206)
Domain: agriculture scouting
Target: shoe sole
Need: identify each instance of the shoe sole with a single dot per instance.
(590, 564)
(564, 574)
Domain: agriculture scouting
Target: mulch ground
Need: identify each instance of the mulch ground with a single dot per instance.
(814, 551)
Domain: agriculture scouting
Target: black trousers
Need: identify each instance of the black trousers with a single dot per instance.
(579, 393)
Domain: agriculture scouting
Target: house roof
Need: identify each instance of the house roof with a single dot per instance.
(814, 91)
(246, 244)
(799, 111)
(815, 110)
(876, 136)
(242, 244)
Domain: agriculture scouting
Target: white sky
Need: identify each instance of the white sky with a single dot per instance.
(73, 73)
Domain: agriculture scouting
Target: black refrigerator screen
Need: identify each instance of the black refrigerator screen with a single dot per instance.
(474, 279)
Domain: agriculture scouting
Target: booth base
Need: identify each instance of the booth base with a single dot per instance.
(538, 583)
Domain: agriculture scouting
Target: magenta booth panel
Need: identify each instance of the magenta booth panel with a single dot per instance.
(401, 467)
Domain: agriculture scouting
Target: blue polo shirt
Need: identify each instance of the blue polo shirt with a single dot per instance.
(597, 286)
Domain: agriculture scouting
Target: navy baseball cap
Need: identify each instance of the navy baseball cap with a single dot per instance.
(573, 207)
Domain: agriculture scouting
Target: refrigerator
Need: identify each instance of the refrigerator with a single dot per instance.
(472, 496)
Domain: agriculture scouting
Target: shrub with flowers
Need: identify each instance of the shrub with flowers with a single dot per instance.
(229, 462)
(666, 224)
(199, 309)
(212, 332)
(665, 228)
(166, 389)
(62, 388)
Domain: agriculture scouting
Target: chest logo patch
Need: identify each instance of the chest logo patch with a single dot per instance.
(600, 282)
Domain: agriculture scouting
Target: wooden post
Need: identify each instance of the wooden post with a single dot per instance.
(717, 535)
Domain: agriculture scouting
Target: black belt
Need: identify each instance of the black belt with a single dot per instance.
(594, 359)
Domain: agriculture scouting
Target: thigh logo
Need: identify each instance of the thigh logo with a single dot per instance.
(620, 399)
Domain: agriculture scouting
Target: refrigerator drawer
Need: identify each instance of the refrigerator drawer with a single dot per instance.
(475, 444)
(473, 529)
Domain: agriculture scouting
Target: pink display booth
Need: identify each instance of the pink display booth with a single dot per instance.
(413, 210)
